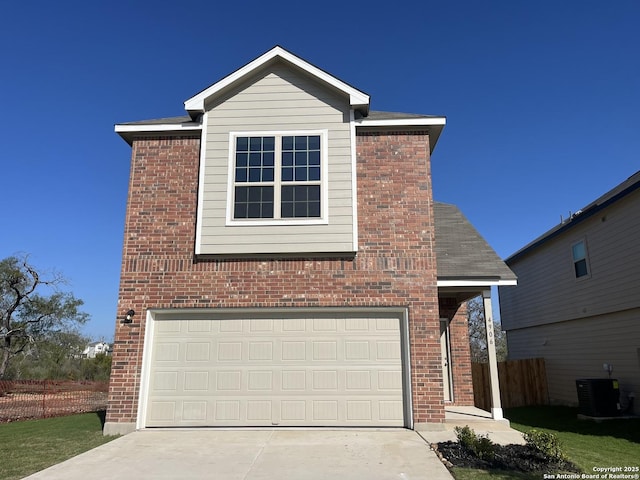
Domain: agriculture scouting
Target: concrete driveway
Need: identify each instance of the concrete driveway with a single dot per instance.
(366, 454)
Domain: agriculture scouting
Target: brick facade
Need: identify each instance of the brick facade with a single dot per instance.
(395, 265)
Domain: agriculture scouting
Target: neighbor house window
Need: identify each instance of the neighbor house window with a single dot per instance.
(277, 177)
(580, 266)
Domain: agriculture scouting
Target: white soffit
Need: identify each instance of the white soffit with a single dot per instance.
(357, 98)
(476, 283)
(403, 122)
(160, 127)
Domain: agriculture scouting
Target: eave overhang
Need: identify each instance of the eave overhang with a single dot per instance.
(128, 131)
(433, 124)
(465, 282)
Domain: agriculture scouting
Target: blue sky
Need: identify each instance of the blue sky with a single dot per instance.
(542, 101)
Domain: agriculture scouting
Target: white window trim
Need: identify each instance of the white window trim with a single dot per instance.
(324, 182)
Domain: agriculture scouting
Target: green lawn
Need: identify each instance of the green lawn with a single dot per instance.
(473, 474)
(588, 444)
(33, 445)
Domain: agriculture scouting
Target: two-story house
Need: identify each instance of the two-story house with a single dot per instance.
(577, 303)
(96, 348)
(280, 265)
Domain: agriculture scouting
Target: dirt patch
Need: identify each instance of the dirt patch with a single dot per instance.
(518, 458)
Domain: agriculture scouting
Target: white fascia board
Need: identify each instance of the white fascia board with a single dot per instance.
(476, 283)
(356, 97)
(354, 178)
(164, 127)
(404, 122)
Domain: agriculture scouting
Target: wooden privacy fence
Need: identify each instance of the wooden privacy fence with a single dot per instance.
(522, 383)
(28, 399)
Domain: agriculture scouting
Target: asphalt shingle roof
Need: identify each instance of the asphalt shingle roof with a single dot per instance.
(378, 115)
(373, 115)
(162, 121)
(461, 252)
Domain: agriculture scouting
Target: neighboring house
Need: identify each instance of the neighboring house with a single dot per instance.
(577, 303)
(279, 262)
(96, 348)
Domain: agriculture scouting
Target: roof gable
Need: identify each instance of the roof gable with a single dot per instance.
(462, 254)
(196, 104)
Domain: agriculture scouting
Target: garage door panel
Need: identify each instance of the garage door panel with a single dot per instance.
(228, 326)
(167, 352)
(293, 325)
(163, 411)
(288, 371)
(194, 411)
(196, 381)
(293, 411)
(229, 351)
(198, 352)
(260, 381)
(261, 326)
(359, 410)
(199, 326)
(260, 350)
(293, 380)
(259, 410)
(293, 350)
(386, 350)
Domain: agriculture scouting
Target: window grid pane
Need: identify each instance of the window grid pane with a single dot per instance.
(253, 202)
(581, 268)
(300, 201)
(255, 159)
(301, 158)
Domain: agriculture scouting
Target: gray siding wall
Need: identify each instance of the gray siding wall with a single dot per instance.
(547, 289)
(579, 348)
(277, 99)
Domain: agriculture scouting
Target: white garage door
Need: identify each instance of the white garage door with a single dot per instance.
(276, 371)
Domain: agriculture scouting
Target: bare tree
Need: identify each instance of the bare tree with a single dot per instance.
(26, 315)
(478, 334)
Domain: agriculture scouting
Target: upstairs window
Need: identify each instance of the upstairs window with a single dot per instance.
(278, 177)
(580, 264)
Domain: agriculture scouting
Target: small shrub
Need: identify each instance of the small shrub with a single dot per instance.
(479, 445)
(466, 436)
(546, 443)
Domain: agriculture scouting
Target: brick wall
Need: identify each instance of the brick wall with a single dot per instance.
(395, 265)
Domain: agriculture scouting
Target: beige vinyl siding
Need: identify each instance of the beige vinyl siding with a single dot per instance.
(579, 348)
(547, 289)
(277, 99)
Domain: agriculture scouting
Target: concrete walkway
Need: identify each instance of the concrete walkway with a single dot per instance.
(480, 421)
(367, 454)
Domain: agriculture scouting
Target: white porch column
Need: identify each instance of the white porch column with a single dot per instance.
(496, 405)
